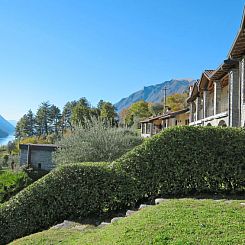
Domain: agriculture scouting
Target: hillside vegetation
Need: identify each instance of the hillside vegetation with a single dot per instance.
(183, 221)
(11, 183)
(178, 162)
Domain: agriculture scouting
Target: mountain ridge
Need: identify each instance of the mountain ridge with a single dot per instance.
(6, 128)
(154, 93)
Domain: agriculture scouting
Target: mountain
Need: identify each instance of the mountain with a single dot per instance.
(13, 122)
(6, 128)
(155, 93)
(3, 134)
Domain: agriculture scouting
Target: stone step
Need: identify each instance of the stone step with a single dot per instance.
(103, 224)
(160, 200)
(116, 219)
(144, 206)
(130, 212)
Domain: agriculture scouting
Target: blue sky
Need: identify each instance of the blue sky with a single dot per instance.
(62, 50)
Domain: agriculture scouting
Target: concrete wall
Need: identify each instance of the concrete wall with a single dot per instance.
(210, 104)
(242, 81)
(224, 99)
(39, 158)
(217, 121)
(181, 119)
(234, 98)
(23, 157)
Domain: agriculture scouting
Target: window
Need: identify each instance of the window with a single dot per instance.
(39, 165)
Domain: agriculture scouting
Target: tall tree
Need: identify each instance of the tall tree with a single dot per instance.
(43, 119)
(21, 129)
(108, 112)
(30, 123)
(67, 114)
(55, 117)
(81, 112)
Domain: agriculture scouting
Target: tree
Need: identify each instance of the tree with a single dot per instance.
(25, 126)
(30, 123)
(124, 115)
(177, 101)
(81, 112)
(136, 112)
(95, 141)
(108, 112)
(66, 121)
(43, 119)
(156, 108)
(55, 117)
(11, 147)
(21, 129)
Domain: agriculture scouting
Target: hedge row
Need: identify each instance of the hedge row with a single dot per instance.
(77, 190)
(188, 160)
(179, 161)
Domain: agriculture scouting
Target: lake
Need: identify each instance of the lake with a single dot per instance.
(4, 141)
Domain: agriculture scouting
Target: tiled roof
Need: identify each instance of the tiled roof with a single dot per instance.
(208, 72)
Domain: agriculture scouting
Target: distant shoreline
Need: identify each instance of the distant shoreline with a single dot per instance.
(5, 140)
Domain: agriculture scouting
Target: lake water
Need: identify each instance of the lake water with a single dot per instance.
(4, 141)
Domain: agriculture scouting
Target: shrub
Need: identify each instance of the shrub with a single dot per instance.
(96, 141)
(70, 191)
(179, 161)
(187, 160)
(11, 183)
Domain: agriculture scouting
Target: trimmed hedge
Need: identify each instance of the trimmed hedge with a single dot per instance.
(179, 161)
(188, 160)
(69, 192)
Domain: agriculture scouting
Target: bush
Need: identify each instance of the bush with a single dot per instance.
(96, 141)
(188, 160)
(71, 191)
(179, 161)
(11, 183)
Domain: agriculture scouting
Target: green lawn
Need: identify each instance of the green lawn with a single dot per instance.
(180, 221)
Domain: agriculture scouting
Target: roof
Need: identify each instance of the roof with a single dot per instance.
(152, 118)
(221, 71)
(166, 115)
(208, 73)
(194, 92)
(175, 113)
(238, 46)
(45, 147)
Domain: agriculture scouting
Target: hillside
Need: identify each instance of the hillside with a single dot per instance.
(154, 93)
(6, 128)
(3, 134)
(179, 221)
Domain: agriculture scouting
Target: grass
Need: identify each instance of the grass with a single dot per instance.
(177, 221)
(11, 183)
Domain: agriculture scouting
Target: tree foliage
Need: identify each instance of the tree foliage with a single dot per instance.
(95, 140)
(50, 122)
(136, 112)
(177, 101)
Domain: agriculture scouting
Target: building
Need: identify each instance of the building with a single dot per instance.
(155, 124)
(218, 98)
(37, 156)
